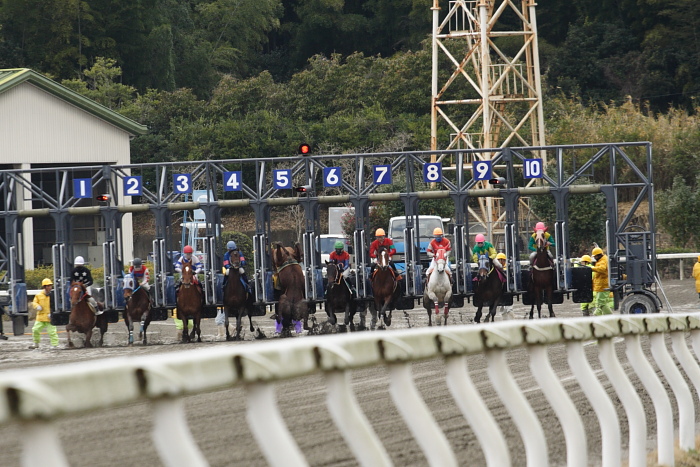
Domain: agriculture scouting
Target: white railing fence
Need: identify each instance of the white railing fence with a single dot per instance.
(34, 398)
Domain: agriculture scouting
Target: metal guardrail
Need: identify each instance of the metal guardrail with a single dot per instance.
(34, 398)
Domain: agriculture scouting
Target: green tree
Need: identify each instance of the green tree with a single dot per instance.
(100, 84)
(679, 213)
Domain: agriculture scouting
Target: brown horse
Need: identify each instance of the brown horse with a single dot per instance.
(82, 318)
(137, 309)
(339, 297)
(542, 278)
(237, 301)
(292, 306)
(383, 289)
(489, 289)
(189, 304)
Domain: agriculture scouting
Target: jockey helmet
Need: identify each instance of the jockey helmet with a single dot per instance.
(46, 282)
(540, 226)
(586, 258)
(501, 256)
(437, 231)
(339, 245)
(137, 262)
(231, 245)
(187, 249)
(597, 251)
(479, 238)
(79, 261)
(380, 233)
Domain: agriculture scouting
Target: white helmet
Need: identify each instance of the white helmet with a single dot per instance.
(79, 261)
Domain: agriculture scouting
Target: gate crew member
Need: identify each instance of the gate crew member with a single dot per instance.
(540, 229)
(82, 274)
(506, 310)
(140, 273)
(696, 275)
(601, 297)
(386, 242)
(188, 258)
(42, 305)
(231, 252)
(439, 241)
(484, 248)
(586, 308)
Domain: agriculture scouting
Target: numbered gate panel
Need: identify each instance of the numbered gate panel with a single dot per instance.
(582, 283)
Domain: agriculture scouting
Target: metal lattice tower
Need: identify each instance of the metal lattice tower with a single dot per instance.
(492, 96)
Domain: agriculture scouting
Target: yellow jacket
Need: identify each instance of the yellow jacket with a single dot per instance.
(44, 301)
(696, 275)
(600, 275)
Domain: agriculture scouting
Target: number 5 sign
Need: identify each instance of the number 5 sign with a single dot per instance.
(532, 168)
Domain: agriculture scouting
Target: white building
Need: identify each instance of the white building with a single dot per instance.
(44, 124)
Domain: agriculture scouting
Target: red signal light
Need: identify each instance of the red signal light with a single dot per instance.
(301, 189)
(102, 198)
(304, 149)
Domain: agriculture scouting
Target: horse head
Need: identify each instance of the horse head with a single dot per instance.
(279, 255)
(485, 265)
(128, 286)
(383, 257)
(78, 292)
(441, 259)
(334, 272)
(235, 259)
(187, 276)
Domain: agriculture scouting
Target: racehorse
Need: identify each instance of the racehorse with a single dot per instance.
(489, 289)
(138, 308)
(237, 300)
(291, 307)
(338, 295)
(439, 289)
(383, 288)
(542, 278)
(189, 304)
(82, 318)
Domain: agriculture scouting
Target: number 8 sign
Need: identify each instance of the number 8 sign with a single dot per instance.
(482, 170)
(432, 172)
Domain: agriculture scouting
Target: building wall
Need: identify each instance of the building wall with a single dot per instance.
(38, 128)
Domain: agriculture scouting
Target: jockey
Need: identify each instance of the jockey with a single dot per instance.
(231, 251)
(140, 274)
(188, 258)
(506, 310)
(532, 245)
(383, 240)
(484, 248)
(439, 242)
(82, 274)
(340, 256)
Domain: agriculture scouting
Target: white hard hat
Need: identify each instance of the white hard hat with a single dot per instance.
(79, 261)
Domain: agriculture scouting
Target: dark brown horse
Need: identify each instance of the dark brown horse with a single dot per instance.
(489, 289)
(82, 318)
(339, 296)
(291, 307)
(542, 278)
(237, 301)
(383, 289)
(189, 304)
(137, 309)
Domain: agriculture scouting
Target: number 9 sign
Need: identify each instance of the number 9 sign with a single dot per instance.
(432, 172)
(482, 170)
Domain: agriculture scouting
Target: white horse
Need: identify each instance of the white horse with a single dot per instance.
(439, 289)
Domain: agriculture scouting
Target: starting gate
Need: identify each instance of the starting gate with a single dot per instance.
(312, 181)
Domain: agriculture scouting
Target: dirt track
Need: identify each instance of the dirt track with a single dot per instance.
(217, 420)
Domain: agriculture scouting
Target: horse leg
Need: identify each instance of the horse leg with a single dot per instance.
(197, 328)
(549, 303)
(239, 326)
(477, 317)
(373, 311)
(185, 329)
(145, 321)
(387, 317)
(130, 327)
(88, 337)
(70, 328)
